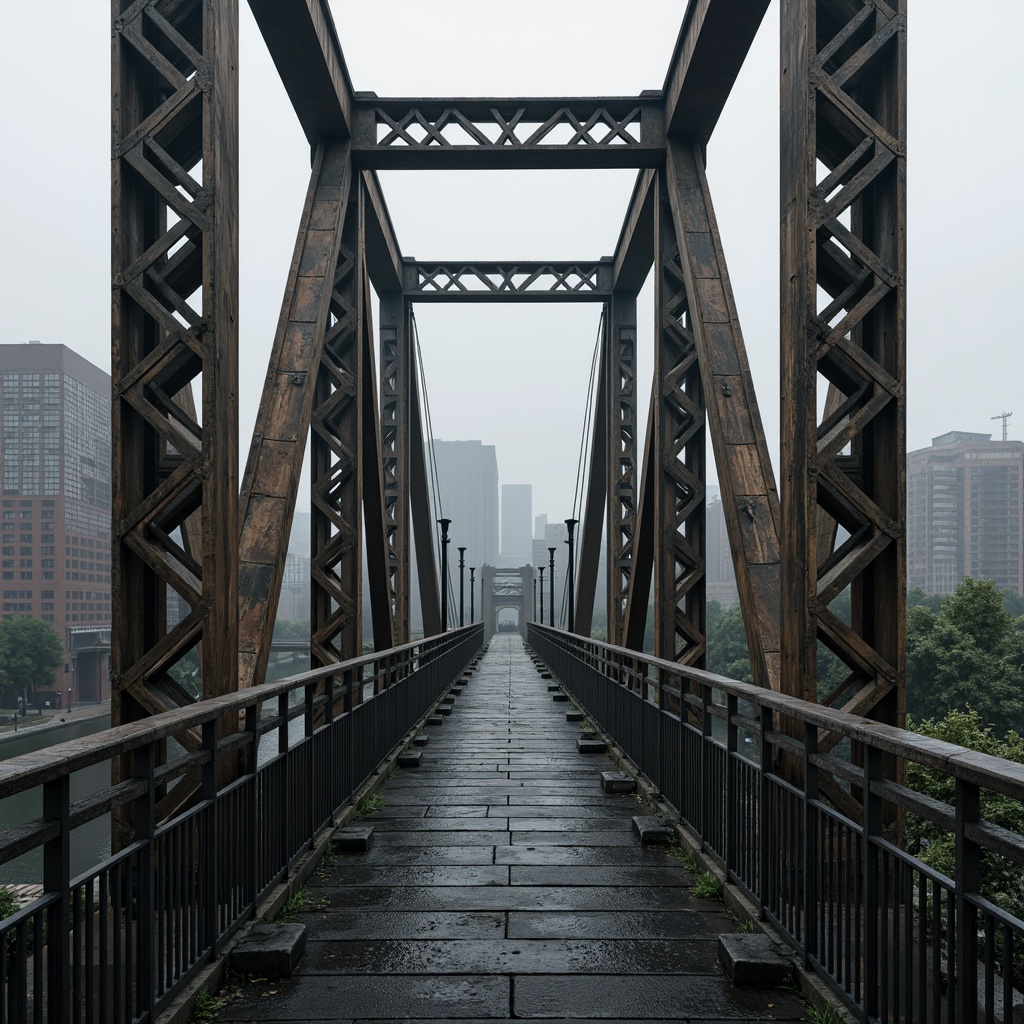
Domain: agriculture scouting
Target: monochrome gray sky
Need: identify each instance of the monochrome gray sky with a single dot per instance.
(487, 366)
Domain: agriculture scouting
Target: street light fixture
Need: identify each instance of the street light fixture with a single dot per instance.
(570, 525)
(551, 582)
(444, 524)
(462, 587)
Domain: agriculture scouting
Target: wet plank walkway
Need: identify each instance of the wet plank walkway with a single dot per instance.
(503, 884)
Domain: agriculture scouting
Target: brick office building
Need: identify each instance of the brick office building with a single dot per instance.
(55, 469)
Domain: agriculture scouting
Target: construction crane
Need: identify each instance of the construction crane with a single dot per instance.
(1004, 416)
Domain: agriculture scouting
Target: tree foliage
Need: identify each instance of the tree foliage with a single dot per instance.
(971, 653)
(31, 653)
(1002, 881)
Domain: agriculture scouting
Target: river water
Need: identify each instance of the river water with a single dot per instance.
(90, 843)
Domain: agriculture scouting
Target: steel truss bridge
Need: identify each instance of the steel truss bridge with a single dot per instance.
(189, 517)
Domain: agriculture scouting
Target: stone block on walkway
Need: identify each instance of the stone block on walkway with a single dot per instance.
(574, 716)
(269, 950)
(559, 698)
(617, 782)
(753, 960)
(353, 838)
(435, 720)
(445, 709)
(591, 746)
(649, 829)
(545, 675)
(421, 740)
(410, 758)
(553, 687)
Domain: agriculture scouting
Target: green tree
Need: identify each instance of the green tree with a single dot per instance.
(31, 652)
(970, 654)
(1002, 882)
(727, 643)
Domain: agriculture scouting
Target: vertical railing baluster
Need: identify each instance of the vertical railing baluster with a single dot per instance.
(810, 858)
(872, 903)
(732, 802)
(144, 814)
(252, 758)
(208, 876)
(763, 811)
(968, 883)
(56, 883)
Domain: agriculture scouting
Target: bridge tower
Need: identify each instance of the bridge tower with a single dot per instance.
(186, 519)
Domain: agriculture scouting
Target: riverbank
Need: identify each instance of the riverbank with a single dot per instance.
(55, 721)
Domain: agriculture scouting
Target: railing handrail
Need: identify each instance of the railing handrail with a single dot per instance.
(996, 773)
(26, 771)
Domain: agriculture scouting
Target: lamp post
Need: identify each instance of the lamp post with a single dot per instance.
(551, 582)
(472, 594)
(541, 620)
(444, 524)
(534, 598)
(462, 587)
(570, 525)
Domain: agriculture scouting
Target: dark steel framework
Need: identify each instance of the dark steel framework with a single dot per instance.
(178, 518)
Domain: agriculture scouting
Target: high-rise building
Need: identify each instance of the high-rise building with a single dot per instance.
(721, 578)
(516, 524)
(965, 513)
(540, 524)
(467, 479)
(55, 465)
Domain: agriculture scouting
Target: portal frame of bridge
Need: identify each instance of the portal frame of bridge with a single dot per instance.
(179, 521)
(501, 589)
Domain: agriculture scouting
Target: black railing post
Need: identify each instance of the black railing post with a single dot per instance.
(472, 594)
(968, 884)
(570, 525)
(707, 808)
(765, 846)
(252, 751)
(551, 583)
(810, 851)
(444, 524)
(872, 880)
(462, 587)
(56, 882)
(209, 876)
(732, 802)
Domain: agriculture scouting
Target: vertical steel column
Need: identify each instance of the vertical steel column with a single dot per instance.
(679, 458)
(270, 483)
(622, 483)
(419, 505)
(336, 462)
(597, 494)
(395, 379)
(174, 321)
(843, 323)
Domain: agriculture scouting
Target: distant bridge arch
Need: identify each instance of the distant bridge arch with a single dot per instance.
(506, 590)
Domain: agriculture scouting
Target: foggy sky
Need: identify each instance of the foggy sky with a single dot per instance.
(516, 376)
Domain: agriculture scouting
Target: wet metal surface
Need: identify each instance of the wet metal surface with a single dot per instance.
(503, 883)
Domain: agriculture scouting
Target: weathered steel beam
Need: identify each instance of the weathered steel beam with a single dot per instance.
(844, 237)
(680, 438)
(592, 527)
(175, 153)
(422, 520)
(383, 253)
(745, 476)
(395, 399)
(270, 483)
(713, 42)
(459, 133)
(523, 281)
(621, 475)
(374, 520)
(303, 44)
(641, 567)
(336, 461)
(634, 251)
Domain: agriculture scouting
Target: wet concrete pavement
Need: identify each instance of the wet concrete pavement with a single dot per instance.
(503, 884)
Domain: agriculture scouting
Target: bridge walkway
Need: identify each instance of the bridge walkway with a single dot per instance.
(503, 883)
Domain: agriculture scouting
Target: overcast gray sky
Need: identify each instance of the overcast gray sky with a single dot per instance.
(488, 365)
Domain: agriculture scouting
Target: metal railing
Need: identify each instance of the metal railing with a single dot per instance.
(748, 771)
(116, 943)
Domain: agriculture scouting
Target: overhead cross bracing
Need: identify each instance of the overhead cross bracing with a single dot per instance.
(176, 470)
